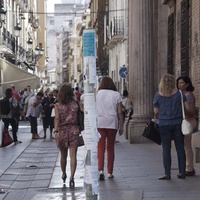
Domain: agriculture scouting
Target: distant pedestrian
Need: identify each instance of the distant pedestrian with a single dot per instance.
(127, 103)
(167, 108)
(27, 95)
(16, 114)
(33, 112)
(185, 85)
(7, 116)
(55, 95)
(67, 130)
(77, 94)
(109, 121)
(47, 120)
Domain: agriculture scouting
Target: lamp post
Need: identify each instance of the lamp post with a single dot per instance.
(39, 51)
(2, 15)
(30, 43)
(17, 30)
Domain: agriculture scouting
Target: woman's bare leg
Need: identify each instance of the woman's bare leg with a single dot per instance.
(63, 159)
(73, 161)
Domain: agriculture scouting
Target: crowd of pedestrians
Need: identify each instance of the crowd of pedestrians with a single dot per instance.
(59, 110)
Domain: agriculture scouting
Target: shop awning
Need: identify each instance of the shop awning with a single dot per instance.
(14, 75)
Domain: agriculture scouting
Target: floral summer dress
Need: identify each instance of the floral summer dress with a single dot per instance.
(68, 127)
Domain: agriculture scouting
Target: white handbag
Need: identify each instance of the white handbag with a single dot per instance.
(186, 126)
(53, 112)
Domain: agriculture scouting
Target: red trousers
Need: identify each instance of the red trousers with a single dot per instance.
(107, 141)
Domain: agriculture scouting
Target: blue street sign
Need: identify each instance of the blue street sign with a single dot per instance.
(123, 72)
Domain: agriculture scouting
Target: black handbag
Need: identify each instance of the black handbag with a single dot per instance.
(80, 141)
(151, 132)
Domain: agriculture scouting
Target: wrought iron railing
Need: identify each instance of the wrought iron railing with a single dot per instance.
(116, 26)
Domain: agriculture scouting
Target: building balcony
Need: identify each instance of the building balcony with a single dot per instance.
(23, 4)
(115, 32)
(7, 43)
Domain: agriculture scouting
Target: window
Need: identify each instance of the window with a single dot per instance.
(185, 37)
(170, 47)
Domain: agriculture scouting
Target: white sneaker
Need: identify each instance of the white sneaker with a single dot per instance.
(110, 176)
(101, 176)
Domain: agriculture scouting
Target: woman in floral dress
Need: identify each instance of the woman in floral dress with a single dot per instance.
(67, 130)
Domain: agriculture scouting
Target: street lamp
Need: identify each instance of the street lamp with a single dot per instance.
(30, 43)
(2, 15)
(17, 30)
(39, 51)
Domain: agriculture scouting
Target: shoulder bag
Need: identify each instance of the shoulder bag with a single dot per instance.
(186, 126)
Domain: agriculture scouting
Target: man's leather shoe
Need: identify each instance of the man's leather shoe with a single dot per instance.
(181, 176)
(190, 173)
(165, 177)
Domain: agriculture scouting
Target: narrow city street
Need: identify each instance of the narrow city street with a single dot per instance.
(31, 171)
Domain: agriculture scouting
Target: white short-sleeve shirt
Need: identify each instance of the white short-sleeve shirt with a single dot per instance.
(106, 103)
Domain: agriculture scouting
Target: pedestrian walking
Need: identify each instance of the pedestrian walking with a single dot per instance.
(167, 108)
(67, 130)
(16, 113)
(47, 119)
(77, 94)
(6, 106)
(33, 112)
(27, 95)
(184, 84)
(109, 121)
(127, 103)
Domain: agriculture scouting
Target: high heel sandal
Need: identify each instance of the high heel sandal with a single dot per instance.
(64, 176)
(72, 183)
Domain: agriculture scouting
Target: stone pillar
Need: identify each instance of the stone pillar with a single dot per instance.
(140, 66)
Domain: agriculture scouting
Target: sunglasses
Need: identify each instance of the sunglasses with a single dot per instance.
(50, 94)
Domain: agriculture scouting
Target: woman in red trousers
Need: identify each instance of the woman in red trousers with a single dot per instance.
(109, 121)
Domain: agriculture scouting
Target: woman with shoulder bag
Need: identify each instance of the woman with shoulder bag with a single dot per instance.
(185, 85)
(167, 105)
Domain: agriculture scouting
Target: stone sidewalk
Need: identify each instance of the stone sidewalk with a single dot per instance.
(31, 171)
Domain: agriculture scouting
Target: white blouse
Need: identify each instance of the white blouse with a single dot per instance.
(106, 104)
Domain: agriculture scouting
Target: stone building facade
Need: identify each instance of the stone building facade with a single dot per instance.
(164, 37)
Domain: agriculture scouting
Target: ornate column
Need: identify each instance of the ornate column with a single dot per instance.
(140, 66)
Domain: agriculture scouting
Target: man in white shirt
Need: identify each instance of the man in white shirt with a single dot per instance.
(33, 112)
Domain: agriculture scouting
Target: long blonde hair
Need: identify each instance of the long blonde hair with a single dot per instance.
(167, 85)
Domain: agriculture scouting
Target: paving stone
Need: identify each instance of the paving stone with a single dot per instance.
(40, 183)
(20, 185)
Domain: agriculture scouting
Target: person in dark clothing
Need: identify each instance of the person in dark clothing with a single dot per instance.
(48, 121)
(8, 118)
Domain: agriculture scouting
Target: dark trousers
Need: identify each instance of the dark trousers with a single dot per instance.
(33, 123)
(12, 122)
(167, 134)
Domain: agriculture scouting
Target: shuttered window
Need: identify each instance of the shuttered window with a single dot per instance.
(170, 50)
(185, 37)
